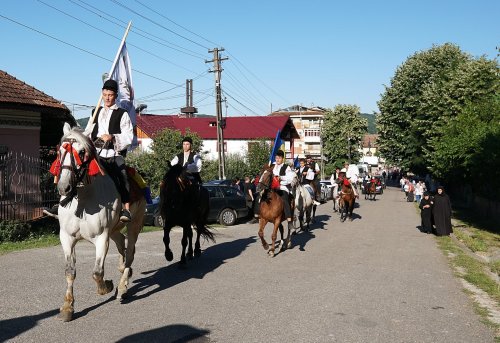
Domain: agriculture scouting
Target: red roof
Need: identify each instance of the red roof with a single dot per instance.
(236, 127)
(15, 91)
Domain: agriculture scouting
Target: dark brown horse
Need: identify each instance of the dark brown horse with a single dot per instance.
(347, 200)
(370, 190)
(186, 205)
(271, 211)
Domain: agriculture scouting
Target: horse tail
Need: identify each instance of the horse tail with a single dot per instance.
(204, 231)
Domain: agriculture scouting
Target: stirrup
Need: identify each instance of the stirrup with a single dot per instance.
(125, 216)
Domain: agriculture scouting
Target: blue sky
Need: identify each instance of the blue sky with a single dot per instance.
(280, 53)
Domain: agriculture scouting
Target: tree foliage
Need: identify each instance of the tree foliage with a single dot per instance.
(341, 134)
(426, 92)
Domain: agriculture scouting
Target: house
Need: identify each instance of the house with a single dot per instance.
(30, 121)
(239, 132)
(308, 123)
(369, 149)
(29, 118)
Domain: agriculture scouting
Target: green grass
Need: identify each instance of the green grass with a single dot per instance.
(45, 241)
(474, 273)
(32, 243)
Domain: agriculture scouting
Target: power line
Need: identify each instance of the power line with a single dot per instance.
(158, 24)
(226, 93)
(173, 22)
(81, 49)
(136, 30)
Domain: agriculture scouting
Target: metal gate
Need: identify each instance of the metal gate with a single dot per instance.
(26, 186)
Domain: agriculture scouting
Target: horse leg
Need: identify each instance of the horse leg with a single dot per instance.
(187, 236)
(120, 242)
(169, 256)
(308, 216)
(190, 253)
(101, 249)
(282, 233)
(68, 244)
(133, 230)
(197, 246)
(288, 240)
(262, 224)
(274, 235)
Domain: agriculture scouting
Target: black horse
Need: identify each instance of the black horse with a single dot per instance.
(184, 203)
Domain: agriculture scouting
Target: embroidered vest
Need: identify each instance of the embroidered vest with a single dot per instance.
(114, 124)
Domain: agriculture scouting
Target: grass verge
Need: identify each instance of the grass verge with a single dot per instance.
(44, 241)
(473, 271)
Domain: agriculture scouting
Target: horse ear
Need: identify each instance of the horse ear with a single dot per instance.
(66, 128)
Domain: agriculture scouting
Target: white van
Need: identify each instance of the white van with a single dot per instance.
(363, 170)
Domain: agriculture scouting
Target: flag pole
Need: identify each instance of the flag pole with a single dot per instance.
(113, 66)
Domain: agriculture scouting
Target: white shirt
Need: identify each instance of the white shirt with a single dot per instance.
(352, 173)
(121, 140)
(309, 173)
(284, 179)
(194, 167)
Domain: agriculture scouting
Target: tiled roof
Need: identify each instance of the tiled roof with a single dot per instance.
(236, 127)
(15, 91)
(370, 139)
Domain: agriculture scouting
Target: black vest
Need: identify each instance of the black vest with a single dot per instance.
(180, 159)
(303, 180)
(283, 170)
(114, 124)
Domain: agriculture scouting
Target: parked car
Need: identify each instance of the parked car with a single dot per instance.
(227, 205)
(219, 182)
(326, 190)
(152, 216)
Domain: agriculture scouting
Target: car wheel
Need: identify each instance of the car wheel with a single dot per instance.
(159, 221)
(227, 217)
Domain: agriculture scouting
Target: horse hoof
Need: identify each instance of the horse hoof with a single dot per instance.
(270, 253)
(122, 293)
(108, 286)
(169, 255)
(289, 244)
(66, 316)
(265, 246)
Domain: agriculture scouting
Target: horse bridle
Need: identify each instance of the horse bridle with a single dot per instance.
(77, 168)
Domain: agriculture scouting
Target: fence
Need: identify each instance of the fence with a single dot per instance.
(26, 186)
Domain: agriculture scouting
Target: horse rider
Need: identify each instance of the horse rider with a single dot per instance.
(112, 134)
(286, 176)
(306, 176)
(315, 182)
(352, 173)
(190, 160)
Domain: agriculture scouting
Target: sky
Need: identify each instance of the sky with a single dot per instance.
(280, 53)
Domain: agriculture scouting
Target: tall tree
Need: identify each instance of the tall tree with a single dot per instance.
(341, 134)
(427, 90)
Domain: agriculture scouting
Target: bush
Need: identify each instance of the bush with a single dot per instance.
(14, 230)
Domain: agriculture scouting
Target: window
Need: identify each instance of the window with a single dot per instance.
(213, 192)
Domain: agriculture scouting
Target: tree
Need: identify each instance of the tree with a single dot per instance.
(166, 144)
(467, 150)
(429, 89)
(257, 156)
(341, 134)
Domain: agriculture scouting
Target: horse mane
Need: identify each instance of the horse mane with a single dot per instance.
(78, 135)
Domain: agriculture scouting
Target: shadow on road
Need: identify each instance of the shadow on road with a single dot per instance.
(303, 237)
(166, 277)
(178, 333)
(16, 326)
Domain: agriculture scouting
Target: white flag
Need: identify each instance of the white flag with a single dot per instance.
(125, 99)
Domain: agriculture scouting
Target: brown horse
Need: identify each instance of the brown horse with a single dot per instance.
(370, 190)
(271, 211)
(347, 200)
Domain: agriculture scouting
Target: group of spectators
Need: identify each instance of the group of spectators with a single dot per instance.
(434, 204)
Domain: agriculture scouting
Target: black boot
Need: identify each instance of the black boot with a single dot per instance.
(51, 212)
(125, 216)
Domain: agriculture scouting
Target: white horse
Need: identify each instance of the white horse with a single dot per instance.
(304, 204)
(90, 209)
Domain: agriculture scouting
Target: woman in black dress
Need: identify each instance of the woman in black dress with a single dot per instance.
(426, 213)
(441, 211)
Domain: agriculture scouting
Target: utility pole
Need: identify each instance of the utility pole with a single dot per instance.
(221, 124)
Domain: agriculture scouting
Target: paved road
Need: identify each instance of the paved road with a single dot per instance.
(376, 279)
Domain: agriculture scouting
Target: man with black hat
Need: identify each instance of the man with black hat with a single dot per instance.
(315, 182)
(189, 160)
(286, 176)
(112, 134)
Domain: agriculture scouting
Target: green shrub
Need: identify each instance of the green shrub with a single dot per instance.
(14, 230)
